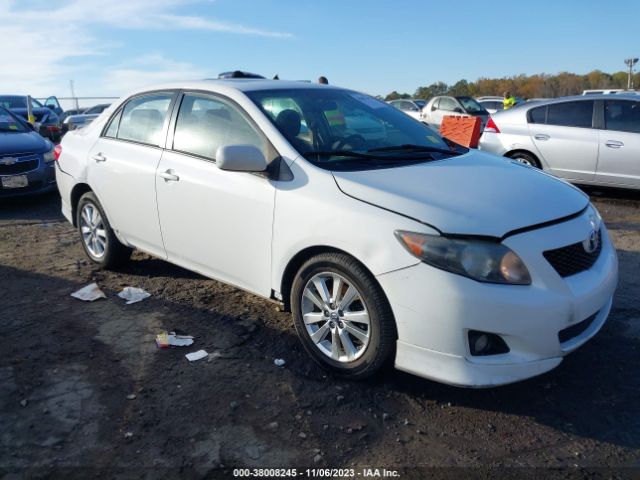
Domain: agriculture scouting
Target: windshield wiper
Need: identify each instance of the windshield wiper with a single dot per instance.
(408, 147)
(340, 153)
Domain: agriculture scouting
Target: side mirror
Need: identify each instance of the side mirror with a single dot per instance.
(458, 110)
(241, 158)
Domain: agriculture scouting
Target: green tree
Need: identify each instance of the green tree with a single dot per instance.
(396, 96)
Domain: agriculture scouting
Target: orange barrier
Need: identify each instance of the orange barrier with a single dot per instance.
(462, 130)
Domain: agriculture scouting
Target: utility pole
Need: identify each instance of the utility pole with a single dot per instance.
(73, 95)
(630, 63)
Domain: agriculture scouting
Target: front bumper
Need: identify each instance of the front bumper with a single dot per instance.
(41, 180)
(435, 310)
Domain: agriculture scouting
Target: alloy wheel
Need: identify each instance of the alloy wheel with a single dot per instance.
(93, 231)
(336, 317)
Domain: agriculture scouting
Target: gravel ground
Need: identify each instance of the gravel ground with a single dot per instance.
(85, 392)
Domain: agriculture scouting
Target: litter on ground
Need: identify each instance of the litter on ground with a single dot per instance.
(89, 293)
(279, 362)
(193, 356)
(172, 339)
(133, 294)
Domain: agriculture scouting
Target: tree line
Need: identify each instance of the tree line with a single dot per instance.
(524, 86)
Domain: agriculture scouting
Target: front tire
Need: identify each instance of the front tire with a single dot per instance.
(342, 316)
(96, 235)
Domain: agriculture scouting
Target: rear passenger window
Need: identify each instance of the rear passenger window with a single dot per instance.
(622, 115)
(206, 123)
(571, 114)
(112, 129)
(538, 115)
(143, 118)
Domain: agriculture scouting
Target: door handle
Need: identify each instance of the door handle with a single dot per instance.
(542, 136)
(169, 176)
(98, 157)
(614, 144)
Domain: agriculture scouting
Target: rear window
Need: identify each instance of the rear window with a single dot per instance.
(571, 114)
(143, 118)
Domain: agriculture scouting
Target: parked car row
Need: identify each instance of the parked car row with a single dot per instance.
(434, 110)
(47, 118)
(386, 242)
(51, 120)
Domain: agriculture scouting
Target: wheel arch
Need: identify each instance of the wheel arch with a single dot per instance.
(511, 153)
(77, 192)
(298, 260)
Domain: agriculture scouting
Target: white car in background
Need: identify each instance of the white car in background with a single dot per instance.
(454, 264)
(491, 104)
(439, 107)
(412, 107)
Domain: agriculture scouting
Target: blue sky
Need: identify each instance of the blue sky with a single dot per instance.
(111, 46)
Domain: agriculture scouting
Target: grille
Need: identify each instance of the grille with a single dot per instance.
(576, 329)
(574, 258)
(23, 165)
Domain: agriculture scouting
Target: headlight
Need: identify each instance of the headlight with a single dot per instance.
(48, 157)
(481, 260)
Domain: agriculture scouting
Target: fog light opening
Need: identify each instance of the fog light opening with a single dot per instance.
(485, 343)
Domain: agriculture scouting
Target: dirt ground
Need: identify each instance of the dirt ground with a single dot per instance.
(84, 392)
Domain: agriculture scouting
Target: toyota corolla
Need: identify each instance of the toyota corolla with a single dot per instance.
(395, 247)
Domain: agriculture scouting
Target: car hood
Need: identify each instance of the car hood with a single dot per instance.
(28, 142)
(473, 194)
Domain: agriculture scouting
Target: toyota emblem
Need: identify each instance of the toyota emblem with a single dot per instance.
(592, 243)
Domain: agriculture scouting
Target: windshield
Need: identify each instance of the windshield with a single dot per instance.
(471, 106)
(331, 127)
(420, 103)
(9, 123)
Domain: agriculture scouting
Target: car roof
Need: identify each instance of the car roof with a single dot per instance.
(240, 84)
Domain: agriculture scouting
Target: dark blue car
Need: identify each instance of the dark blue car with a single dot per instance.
(27, 162)
(47, 116)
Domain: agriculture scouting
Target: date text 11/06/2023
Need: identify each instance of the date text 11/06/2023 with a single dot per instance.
(316, 473)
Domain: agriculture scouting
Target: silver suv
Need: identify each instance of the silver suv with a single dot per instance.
(592, 140)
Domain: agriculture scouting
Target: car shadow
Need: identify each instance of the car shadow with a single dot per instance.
(610, 193)
(31, 209)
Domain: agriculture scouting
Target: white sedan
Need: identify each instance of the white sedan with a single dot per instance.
(390, 246)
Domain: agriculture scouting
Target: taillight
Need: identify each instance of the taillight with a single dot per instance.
(53, 128)
(491, 126)
(57, 151)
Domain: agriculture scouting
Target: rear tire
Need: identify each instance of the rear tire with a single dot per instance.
(525, 158)
(342, 316)
(96, 235)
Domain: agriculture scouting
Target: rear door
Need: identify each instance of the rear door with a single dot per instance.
(619, 143)
(564, 135)
(122, 168)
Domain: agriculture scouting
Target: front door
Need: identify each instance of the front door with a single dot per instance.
(215, 222)
(122, 167)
